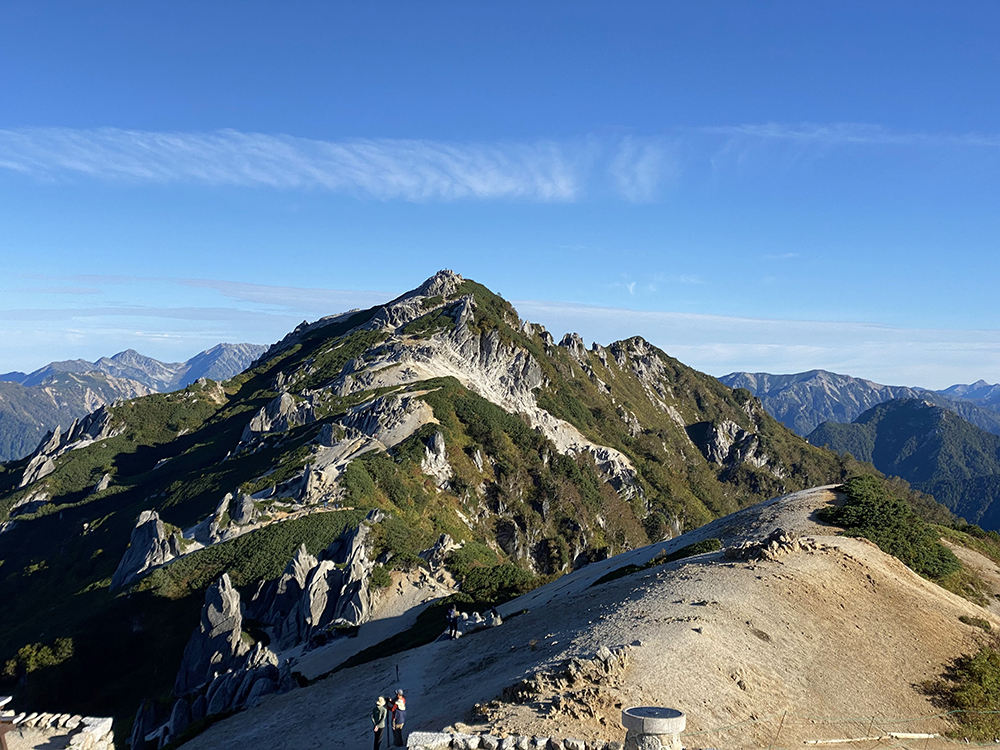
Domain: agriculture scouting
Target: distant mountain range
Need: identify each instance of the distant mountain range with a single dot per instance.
(33, 403)
(932, 448)
(805, 400)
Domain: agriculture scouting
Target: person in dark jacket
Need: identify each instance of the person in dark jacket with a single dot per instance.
(453, 622)
(398, 708)
(378, 720)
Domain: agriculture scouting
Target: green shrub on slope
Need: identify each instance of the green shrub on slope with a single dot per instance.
(891, 524)
(972, 689)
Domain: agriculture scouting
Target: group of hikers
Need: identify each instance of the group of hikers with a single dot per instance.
(454, 617)
(393, 713)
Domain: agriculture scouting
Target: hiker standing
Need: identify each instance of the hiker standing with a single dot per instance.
(398, 718)
(378, 720)
(453, 622)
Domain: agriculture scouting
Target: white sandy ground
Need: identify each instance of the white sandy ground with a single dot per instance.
(782, 648)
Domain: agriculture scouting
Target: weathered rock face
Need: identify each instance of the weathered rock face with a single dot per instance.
(40, 465)
(209, 531)
(149, 548)
(274, 600)
(335, 590)
(436, 555)
(30, 503)
(147, 719)
(281, 414)
(243, 511)
(389, 419)
(435, 463)
(313, 594)
(217, 644)
(241, 685)
(729, 445)
(102, 484)
(92, 428)
(574, 345)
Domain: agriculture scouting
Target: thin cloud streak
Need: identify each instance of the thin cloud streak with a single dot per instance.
(225, 314)
(639, 167)
(384, 169)
(634, 169)
(719, 344)
(846, 133)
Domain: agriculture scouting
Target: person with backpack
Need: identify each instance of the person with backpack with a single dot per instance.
(398, 707)
(453, 622)
(378, 721)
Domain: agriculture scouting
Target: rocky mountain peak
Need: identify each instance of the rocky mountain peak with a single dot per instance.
(443, 283)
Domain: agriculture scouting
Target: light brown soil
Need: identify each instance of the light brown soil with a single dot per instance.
(985, 568)
(819, 644)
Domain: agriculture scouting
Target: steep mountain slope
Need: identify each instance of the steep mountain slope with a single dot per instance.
(818, 637)
(805, 400)
(28, 412)
(932, 448)
(979, 393)
(438, 413)
(54, 395)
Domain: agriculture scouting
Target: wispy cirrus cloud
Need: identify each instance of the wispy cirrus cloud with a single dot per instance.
(640, 167)
(632, 168)
(846, 133)
(384, 169)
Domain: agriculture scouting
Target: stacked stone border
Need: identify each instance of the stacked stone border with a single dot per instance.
(457, 741)
(85, 732)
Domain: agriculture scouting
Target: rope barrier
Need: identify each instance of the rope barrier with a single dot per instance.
(882, 736)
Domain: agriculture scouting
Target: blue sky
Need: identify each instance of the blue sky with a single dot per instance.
(751, 186)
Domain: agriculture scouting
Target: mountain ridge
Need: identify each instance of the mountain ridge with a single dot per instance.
(802, 401)
(932, 448)
(438, 416)
(34, 403)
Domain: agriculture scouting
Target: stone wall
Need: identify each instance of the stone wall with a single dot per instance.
(62, 730)
(455, 741)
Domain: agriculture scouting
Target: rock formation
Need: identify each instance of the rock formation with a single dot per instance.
(274, 600)
(91, 429)
(335, 590)
(217, 644)
(149, 548)
(281, 414)
(243, 511)
(436, 555)
(435, 463)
